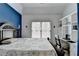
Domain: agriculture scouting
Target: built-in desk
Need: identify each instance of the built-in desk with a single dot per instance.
(68, 41)
(66, 46)
(71, 45)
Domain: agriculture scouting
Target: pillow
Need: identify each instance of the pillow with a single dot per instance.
(5, 41)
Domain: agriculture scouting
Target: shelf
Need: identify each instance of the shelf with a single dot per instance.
(66, 25)
(68, 41)
(74, 30)
(74, 22)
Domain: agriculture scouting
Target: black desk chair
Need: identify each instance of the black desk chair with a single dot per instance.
(58, 47)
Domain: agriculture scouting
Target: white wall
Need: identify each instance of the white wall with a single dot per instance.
(27, 20)
(16, 6)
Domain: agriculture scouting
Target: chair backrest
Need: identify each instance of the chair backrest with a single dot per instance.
(59, 50)
(57, 40)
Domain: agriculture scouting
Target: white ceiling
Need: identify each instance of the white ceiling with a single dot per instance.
(44, 8)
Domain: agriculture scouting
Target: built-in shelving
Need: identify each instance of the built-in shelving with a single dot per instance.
(69, 26)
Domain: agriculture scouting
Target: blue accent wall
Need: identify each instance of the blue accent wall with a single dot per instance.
(78, 28)
(8, 14)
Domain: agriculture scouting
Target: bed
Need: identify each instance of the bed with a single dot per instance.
(27, 47)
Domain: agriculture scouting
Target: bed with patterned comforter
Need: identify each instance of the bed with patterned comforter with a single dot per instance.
(27, 47)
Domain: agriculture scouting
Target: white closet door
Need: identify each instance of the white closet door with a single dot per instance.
(46, 26)
(41, 29)
(36, 30)
(46, 29)
(45, 34)
(36, 26)
(36, 34)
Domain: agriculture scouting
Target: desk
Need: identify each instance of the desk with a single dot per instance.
(72, 46)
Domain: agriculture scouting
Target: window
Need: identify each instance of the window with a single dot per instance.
(41, 29)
